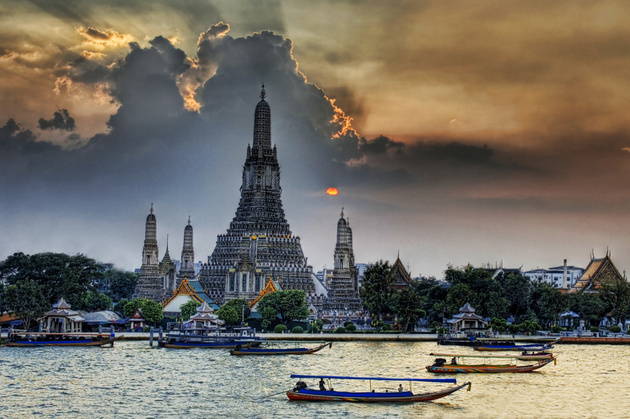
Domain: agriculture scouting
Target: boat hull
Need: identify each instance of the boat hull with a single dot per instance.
(83, 342)
(466, 369)
(368, 397)
(288, 351)
(207, 345)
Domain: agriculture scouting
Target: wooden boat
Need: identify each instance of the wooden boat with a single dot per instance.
(534, 356)
(39, 339)
(495, 348)
(278, 351)
(302, 392)
(458, 366)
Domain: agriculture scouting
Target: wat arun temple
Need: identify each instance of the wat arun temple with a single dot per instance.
(258, 245)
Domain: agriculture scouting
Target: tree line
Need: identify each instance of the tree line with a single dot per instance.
(506, 296)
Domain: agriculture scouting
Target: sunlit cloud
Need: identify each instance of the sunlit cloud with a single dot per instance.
(101, 39)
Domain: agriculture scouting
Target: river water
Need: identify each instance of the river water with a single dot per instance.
(134, 380)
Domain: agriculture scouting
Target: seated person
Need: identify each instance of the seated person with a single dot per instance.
(322, 387)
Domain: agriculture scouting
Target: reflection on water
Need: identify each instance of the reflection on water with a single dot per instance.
(135, 380)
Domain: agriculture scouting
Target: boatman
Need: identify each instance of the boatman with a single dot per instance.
(322, 386)
(400, 389)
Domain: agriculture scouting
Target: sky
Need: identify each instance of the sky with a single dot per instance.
(456, 132)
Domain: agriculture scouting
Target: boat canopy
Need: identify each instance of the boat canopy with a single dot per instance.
(477, 356)
(336, 377)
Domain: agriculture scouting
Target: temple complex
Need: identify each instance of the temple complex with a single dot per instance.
(258, 244)
(343, 290)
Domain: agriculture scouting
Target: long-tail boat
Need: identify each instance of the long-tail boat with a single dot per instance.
(202, 337)
(279, 351)
(530, 347)
(39, 339)
(301, 391)
(457, 365)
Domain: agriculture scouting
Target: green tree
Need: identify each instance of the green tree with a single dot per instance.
(481, 290)
(377, 291)
(591, 307)
(433, 293)
(287, 305)
(188, 309)
(152, 311)
(240, 306)
(25, 299)
(97, 301)
(407, 305)
(516, 290)
(547, 303)
(56, 274)
(615, 292)
(229, 315)
(121, 284)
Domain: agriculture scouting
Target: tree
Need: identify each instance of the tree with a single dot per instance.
(188, 309)
(56, 275)
(377, 290)
(547, 302)
(590, 307)
(229, 315)
(407, 307)
(615, 291)
(240, 306)
(97, 301)
(25, 299)
(481, 290)
(516, 289)
(287, 305)
(121, 284)
(151, 310)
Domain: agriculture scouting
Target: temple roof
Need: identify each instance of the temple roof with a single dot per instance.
(596, 271)
(188, 288)
(403, 279)
(272, 286)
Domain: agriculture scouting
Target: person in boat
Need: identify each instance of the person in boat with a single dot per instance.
(322, 385)
(300, 385)
(400, 389)
(454, 361)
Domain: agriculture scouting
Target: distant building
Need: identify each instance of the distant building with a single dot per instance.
(403, 278)
(187, 290)
(259, 244)
(343, 290)
(562, 277)
(597, 271)
(158, 279)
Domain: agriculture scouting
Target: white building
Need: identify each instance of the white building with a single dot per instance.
(556, 276)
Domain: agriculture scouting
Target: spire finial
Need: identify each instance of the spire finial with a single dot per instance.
(263, 94)
(167, 242)
(151, 207)
(341, 212)
(188, 219)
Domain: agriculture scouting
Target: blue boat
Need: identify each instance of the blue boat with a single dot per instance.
(302, 392)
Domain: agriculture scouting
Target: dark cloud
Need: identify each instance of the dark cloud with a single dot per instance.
(61, 120)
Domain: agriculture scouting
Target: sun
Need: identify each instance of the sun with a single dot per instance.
(332, 191)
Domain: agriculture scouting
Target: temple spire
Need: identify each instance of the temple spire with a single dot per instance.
(263, 94)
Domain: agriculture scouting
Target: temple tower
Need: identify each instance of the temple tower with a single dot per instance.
(187, 267)
(168, 274)
(343, 294)
(258, 244)
(149, 282)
